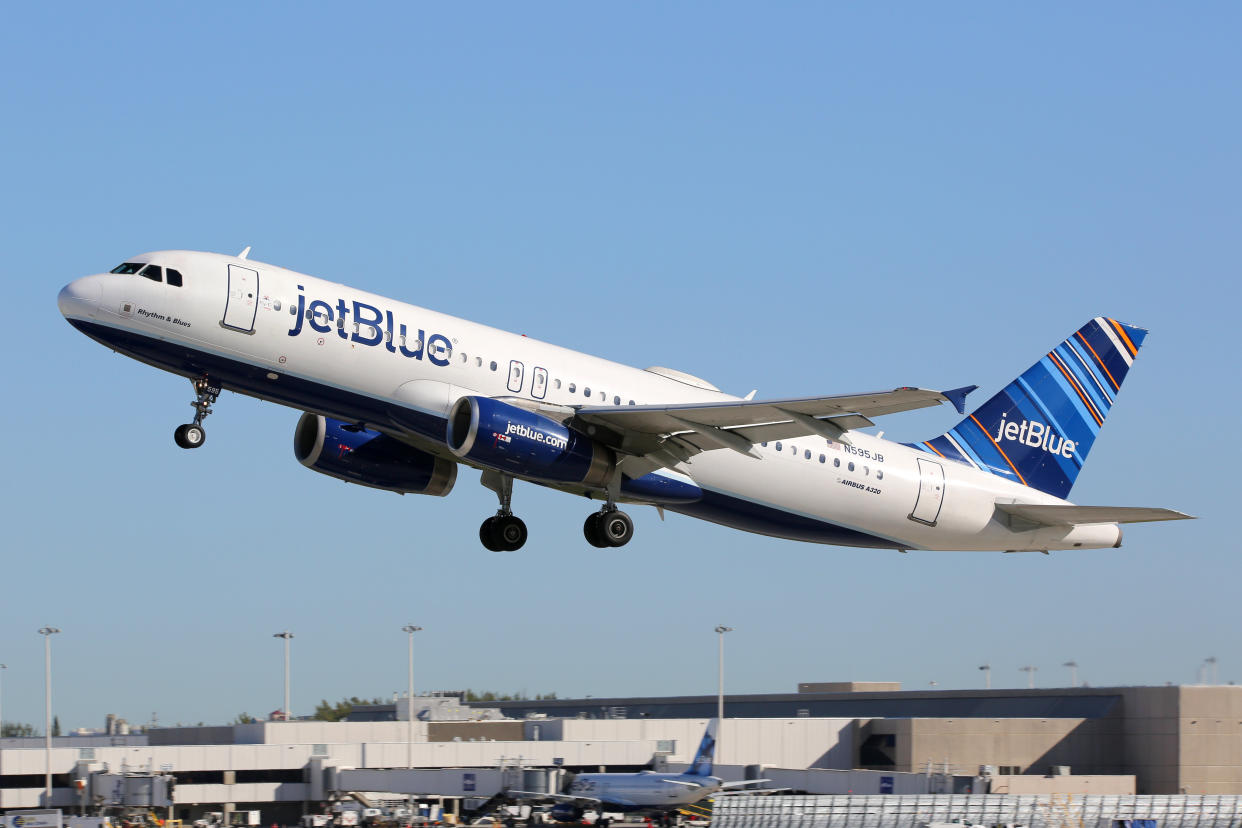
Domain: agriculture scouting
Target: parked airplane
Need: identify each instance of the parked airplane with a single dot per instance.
(648, 791)
(396, 396)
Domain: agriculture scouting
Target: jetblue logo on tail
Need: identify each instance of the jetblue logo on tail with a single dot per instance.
(1035, 435)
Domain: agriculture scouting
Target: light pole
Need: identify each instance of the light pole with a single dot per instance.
(287, 636)
(721, 629)
(3, 667)
(1073, 665)
(987, 676)
(1030, 675)
(410, 629)
(47, 633)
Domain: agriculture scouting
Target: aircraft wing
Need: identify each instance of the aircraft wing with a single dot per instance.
(1069, 515)
(558, 797)
(669, 434)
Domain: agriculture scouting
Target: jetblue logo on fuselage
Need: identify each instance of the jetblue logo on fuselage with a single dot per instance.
(1036, 435)
(371, 327)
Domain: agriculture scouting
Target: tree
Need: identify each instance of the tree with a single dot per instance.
(243, 718)
(328, 712)
(17, 730)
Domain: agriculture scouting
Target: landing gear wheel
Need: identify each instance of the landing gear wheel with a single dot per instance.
(486, 535)
(593, 530)
(190, 435)
(616, 528)
(503, 533)
(509, 533)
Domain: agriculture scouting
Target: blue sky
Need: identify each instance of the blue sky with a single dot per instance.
(799, 198)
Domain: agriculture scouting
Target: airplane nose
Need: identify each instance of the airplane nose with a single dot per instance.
(79, 298)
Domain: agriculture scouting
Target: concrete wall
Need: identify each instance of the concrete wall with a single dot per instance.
(1209, 739)
(1121, 784)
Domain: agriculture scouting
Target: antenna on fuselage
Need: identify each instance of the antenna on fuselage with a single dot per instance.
(244, 253)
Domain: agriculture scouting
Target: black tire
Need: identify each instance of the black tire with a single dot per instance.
(509, 533)
(593, 530)
(487, 535)
(616, 528)
(189, 436)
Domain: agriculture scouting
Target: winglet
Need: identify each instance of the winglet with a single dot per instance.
(244, 253)
(957, 396)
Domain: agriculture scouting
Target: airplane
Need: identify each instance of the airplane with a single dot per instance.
(397, 397)
(645, 791)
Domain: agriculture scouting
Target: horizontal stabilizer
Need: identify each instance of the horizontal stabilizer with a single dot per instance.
(1069, 515)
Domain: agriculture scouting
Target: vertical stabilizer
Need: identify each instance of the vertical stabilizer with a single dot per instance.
(1039, 429)
(702, 764)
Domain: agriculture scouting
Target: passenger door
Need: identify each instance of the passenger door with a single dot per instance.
(931, 492)
(242, 302)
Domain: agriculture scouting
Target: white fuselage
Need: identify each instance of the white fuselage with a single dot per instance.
(361, 357)
(645, 790)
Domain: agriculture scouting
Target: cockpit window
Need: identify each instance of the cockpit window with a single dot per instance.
(127, 268)
(174, 279)
(153, 272)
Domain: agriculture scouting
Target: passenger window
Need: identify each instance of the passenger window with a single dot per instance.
(867, 470)
(478, 362)
(778, 447)
(153, 272)
(463, 357)
(765, 445)
(492, 365)
(807, 454)
(293, 311)
(879, 475)
(275, 302)
(616, 400)
(851, 465)
(557, 383)
(631, 402)
(586, 392)
(822, 458)
(572, 388)
(174, 279)
(836, 462)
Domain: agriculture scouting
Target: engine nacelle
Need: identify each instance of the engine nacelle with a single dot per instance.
(566, 812)
(511, 439)
(369, 458)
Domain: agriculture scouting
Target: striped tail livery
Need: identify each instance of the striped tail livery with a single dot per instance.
(1039, 429)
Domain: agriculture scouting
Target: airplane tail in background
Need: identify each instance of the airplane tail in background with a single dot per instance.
(702, 764)
(1038, 430)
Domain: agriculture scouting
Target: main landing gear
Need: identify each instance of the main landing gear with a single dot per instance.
(504, 531)
(608, 527)
(193, 435)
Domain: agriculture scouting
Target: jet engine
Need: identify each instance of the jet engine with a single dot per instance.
(369, 458)
(520, 442)
(566, 812)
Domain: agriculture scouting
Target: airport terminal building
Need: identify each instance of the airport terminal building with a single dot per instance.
(827, 738)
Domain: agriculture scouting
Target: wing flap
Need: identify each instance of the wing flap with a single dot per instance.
(1070, 515)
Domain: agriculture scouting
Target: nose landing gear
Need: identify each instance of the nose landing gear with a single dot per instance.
(193, 435)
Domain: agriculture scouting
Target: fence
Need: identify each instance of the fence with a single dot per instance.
(1032, 811)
